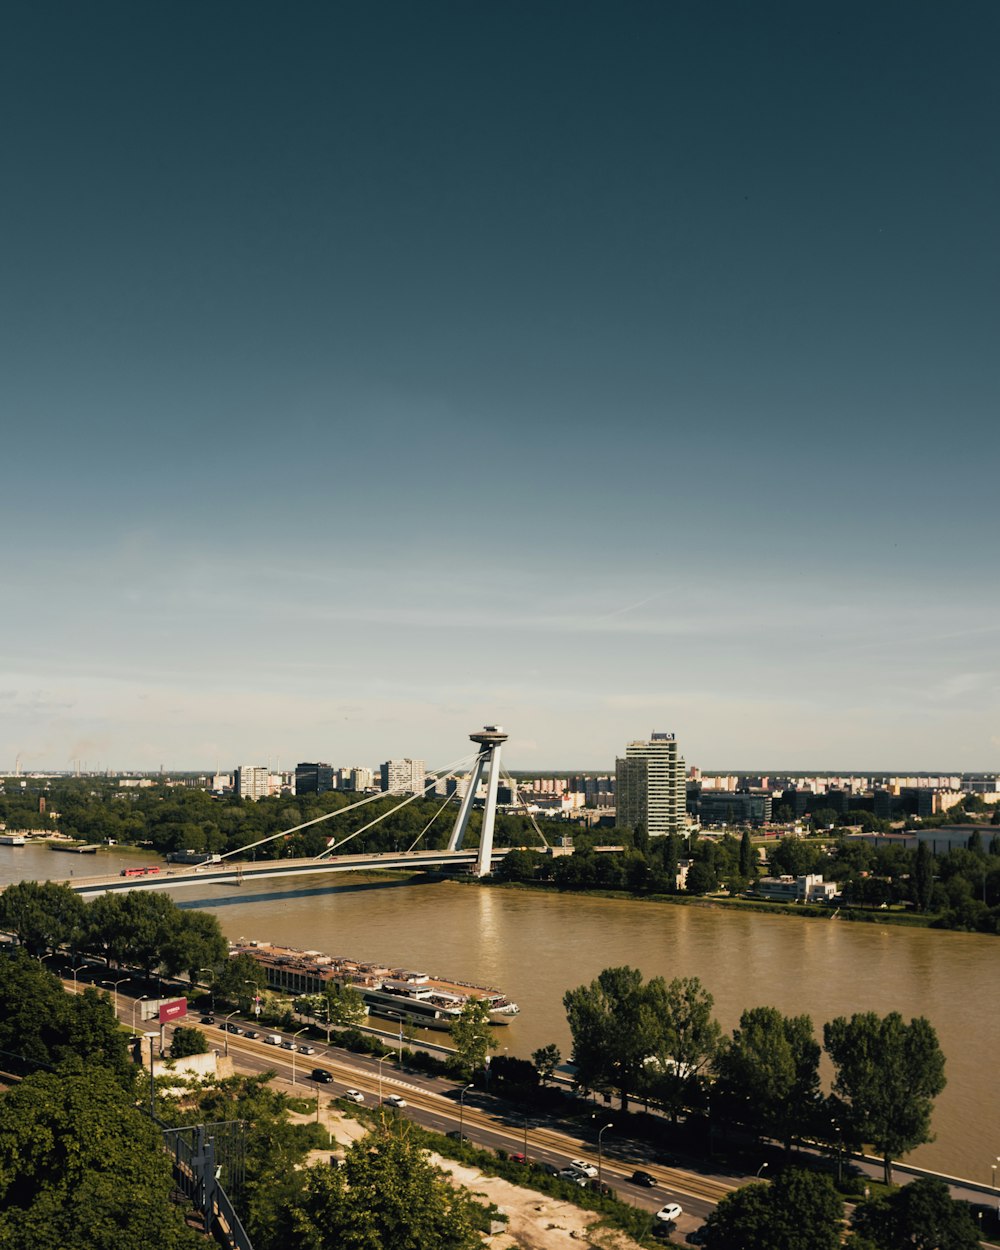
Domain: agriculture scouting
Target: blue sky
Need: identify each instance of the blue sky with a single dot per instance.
(370, 372)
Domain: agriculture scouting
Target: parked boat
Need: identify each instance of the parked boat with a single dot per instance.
(416, 998)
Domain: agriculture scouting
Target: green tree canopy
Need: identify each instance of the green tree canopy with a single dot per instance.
(616, 1028)
(43, 916)
(387, 1196)
(688, 1040)
(472, 1035)
(800, 1211)
(887, 1075)
(920, 1216)
(80, 1166)
(768, 1074)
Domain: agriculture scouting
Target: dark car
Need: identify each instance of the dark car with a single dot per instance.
(599, 1187)
(322, 1075)
(251, 1033)
(455, 1135)
(207, 1020)
(642, 1178)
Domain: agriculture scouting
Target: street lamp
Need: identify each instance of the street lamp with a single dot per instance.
(75, 971)
(461, 1111)
(995, 1162)
(255, 998)
(134, 1005)
(400, 1019)
(380, 1060)
(525, 1150)
(760, 1169)
(211, 987)
(600, 1153)
(294, 1036)
(225, 1026)
(116, 985)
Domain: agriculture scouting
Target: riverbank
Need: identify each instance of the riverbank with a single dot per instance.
(805, 911)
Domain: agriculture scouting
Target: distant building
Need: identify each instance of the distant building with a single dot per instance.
(403, 776)
(736, 807)
(314, 778)
(356, 778)
(810, 888)
(252, 781)
(651, 786)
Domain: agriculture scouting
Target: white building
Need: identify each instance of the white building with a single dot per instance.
(403, 776)
(810, 888)
(252, 781)
(651, 786)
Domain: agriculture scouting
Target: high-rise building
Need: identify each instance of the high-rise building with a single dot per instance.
(651, 786)
(314, 778)
(403, 776)
(252, 781)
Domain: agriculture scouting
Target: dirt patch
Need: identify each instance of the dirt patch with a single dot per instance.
(534, 1221)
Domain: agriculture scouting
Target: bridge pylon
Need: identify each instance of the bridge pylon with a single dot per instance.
(490, 738)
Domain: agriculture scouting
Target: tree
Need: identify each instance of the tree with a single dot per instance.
(768, 1075)
(800, 1211)
(923, 876)
(187, 1041)
(81, 1166)
(887, 1073)
(472, 1034)
(344, 1003)
(41, 916)
(689, 1040)
(195, 941)
(920, 1216)
(701, 879)
(44, 1026)
(387, 1196)
(231, 980)
(616, 1028)
(546, 1059)
(748, 861)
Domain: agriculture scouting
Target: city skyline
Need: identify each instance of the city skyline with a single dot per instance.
(374, 374)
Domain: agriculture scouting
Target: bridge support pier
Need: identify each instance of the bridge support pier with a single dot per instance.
(491, 738)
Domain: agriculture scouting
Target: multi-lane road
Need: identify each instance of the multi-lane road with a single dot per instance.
(440, 1105)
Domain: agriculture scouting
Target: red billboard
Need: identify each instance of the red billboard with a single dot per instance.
(173, 1010)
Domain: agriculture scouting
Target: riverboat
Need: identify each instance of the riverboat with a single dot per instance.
(393, 993)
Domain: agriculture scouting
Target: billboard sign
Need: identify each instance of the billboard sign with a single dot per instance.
(173, 1010)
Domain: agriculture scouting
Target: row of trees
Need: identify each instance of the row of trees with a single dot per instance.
(802, 1211)
(659, 1041)
(174, 818)
(133, 929)
(960, 888)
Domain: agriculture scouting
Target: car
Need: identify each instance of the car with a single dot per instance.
(548, 1168)
(206, 1020)
(575, 1175)
(669, 1213)
(698, 1237)
(251, 1033)
(455, 1135)
(307, 1050)
(639, 1177)
(395, 1100)
(288, 1044)
(235, 1028)
(322, 1075)
(599, 1187)
(583, 1166)
(517, 1157)
(353, 1095)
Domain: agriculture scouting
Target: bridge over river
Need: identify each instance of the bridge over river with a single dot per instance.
(240, 873)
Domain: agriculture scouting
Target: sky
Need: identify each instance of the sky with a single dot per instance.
(372, 372)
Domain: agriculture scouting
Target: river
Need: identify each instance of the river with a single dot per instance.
(535, 946)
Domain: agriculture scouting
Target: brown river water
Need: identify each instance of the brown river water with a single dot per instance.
(536, 946)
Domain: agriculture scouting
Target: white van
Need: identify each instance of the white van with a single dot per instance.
(273, 1039)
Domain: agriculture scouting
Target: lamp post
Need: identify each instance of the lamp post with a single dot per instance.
(525, 1150)
(994, 1165)
(225, 1026)
(399, 1017)
(461, 1111)
(75, 971)
(380, 1060)
(116, 985)
(294, 1036)
(134, 1005)
(211, 987)
(600, 1154)
(760, 1169)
